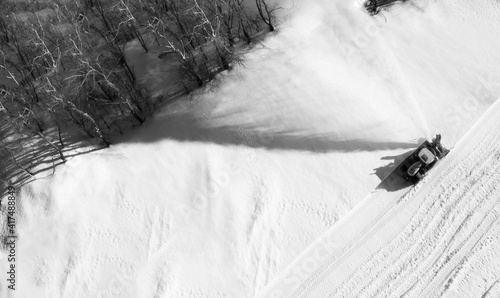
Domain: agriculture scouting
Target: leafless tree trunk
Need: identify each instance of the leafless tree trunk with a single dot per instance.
(266, 13)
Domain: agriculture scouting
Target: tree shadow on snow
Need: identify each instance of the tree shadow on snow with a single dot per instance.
(189, 128)
(25, 158)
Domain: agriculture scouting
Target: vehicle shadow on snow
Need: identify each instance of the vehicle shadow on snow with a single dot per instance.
(389, 175)
(188, 128)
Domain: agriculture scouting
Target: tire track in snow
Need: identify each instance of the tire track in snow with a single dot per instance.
(492, 214)
(480, 226)
(409, 236)
(443, 228)
(348, 291)
(477, 206)
(395, 244)
(347, 252)
(378, 261)
(324, 279)
(440, 274)
(444, 253)
(481, 254)
(415, 275)
(474, 152)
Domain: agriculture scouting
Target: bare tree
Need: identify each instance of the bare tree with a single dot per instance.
(267, 13)
(26, 116)
(71, 69)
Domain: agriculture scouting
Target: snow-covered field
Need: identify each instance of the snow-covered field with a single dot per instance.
(215, 196)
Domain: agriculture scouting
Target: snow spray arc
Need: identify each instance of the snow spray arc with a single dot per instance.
(362, 38)
(368, 40)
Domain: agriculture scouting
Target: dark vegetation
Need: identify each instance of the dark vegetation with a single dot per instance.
(64, 76)
(375, 6)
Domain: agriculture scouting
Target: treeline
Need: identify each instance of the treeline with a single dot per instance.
(64, 65)
(375, 6)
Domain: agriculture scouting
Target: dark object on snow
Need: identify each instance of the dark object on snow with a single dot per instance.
(374, 6)
(415, 166)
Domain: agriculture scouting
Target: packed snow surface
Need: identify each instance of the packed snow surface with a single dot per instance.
(219, 193)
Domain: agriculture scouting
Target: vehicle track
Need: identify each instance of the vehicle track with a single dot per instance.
(440, 236)
(408, 242)
(411, 233)
(402, 264)
(394, 276)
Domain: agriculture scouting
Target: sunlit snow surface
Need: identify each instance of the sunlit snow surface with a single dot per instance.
(215, 196)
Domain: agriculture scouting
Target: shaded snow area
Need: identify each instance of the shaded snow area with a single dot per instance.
(219, 193)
